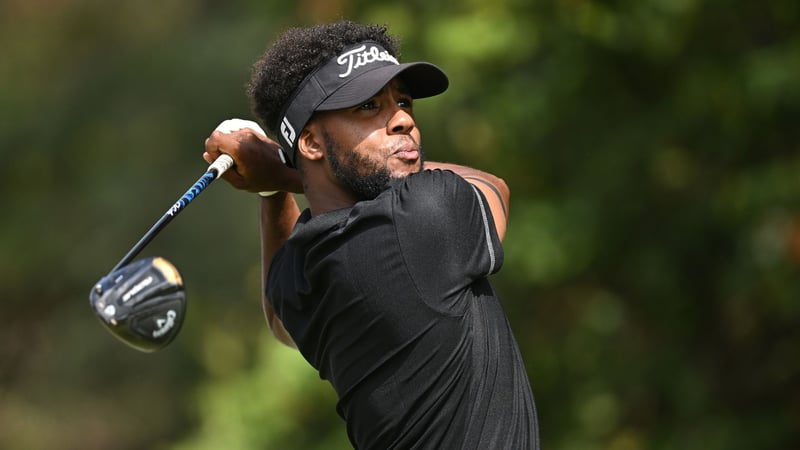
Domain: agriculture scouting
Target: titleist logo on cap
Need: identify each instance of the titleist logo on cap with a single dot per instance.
(359, 57)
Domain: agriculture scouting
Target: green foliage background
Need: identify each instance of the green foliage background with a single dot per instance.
(653, 253)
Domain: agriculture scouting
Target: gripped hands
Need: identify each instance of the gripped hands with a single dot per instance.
(258, 165)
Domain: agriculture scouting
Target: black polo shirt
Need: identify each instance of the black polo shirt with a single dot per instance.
(389, 300)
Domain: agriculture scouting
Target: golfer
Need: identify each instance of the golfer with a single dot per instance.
(382, 283)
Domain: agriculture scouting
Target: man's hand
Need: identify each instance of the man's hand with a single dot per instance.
(257, 161)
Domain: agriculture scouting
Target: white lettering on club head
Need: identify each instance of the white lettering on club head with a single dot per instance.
(359, 57)
(137, 288)
(165, 324)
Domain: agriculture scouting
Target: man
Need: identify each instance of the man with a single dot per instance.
(382, 283)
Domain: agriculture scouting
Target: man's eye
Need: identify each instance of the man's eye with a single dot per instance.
(370, 105)
(405, 102)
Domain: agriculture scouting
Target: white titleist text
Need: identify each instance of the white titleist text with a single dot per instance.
(359, 57)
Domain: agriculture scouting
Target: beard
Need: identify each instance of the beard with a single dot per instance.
(364, 177)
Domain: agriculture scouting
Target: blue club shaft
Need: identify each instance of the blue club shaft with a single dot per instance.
(214, 171)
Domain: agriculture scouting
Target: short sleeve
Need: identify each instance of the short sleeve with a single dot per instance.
(446, 232)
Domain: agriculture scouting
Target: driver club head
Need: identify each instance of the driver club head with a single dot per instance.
(143, 303)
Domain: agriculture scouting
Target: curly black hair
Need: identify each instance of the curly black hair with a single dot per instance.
(295, 54)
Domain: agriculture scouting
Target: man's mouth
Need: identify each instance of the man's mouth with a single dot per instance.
(407, 152)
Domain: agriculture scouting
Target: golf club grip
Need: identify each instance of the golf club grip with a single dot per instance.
(214, 171)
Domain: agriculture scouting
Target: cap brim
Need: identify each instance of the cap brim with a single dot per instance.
(422, 80)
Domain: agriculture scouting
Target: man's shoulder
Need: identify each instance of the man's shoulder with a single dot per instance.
(428, 183)
(427, 200)
(435, 176)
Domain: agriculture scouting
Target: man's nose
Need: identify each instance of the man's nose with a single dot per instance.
(401, 122)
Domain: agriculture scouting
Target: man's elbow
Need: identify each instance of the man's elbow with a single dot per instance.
(280, 333)
(276, 326)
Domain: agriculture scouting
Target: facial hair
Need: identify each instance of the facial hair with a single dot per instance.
(364, 177)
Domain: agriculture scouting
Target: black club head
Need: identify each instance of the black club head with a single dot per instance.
(143, 303)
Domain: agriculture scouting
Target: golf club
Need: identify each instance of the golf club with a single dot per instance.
(144, 303)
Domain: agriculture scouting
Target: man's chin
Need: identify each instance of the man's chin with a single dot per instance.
(400, 174)
(406, 170)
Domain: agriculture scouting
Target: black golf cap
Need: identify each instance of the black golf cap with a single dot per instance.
(355, 75)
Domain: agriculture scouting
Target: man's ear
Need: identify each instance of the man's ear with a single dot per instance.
(310, 143)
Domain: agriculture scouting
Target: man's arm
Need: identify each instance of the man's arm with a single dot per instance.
(493, 188)
(258, 167)
(279, 213)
